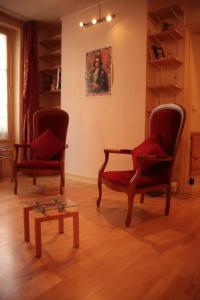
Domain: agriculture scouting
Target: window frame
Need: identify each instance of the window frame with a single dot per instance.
(10, 79)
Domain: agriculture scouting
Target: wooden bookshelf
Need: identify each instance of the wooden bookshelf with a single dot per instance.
(52, 42)
(50, 65)
(172, 88)
(166, 61)
(173, 11)
(166, 36)
(51, 55)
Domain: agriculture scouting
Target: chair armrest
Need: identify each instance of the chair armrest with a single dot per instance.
(156, 158)
(22, 146)
(119, 151)
(107, 153)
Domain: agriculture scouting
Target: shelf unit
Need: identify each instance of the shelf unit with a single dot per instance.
(173, 88)
(163, 75)
(50, 67)
(173, 11)
(51, 56)
(195, 154)
(52, 42)
(166, 36)
(166, 61)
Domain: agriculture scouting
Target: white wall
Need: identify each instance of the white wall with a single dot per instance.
(98, 122)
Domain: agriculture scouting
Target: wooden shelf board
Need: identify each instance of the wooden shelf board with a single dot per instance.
(51, 92)
(51, 55)
(167, 61)
(171, 11)
(51, 70)
(165, 36)
(51, 41)
(165, 88)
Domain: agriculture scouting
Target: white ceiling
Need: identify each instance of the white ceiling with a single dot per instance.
(43, 10)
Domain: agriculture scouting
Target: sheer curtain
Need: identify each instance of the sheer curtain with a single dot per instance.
(3, 87)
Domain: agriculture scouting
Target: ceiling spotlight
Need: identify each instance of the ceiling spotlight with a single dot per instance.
(109, 18)
(81, 24)
(94, 21)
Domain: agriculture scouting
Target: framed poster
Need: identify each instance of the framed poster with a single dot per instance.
(99, 72)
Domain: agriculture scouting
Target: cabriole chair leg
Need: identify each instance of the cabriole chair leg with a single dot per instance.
(130, 209)
(15, 180)
(100, 192)
(142, 198)
(168, 198)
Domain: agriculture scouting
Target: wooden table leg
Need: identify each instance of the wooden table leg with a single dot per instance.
(38, 244)
(76, 229)
(26, 224)
(61, 224)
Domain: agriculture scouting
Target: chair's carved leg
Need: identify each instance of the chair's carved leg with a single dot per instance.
(130, 209)
(168, 197)
(61, 183)
(34, 179)
(15, 179)
(61, 190)
(142, 198)
(100, 174)
(100, 191)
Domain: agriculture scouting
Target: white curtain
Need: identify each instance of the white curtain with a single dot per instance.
(3, 87)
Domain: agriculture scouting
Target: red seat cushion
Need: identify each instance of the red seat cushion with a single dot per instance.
(122, 178)
(151, 146)
(47, 145)
(39, 164)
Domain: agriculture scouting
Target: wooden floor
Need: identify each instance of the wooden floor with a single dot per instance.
(157, 258)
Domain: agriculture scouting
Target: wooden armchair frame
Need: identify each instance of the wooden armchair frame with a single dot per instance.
(132, 187)
(56, 121)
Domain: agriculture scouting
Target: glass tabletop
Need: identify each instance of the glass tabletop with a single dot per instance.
(43, 204)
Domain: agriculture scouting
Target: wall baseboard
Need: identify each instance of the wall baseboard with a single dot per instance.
(81, 178)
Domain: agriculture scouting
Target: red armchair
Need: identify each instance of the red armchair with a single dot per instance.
(47, 150)
(153, 160)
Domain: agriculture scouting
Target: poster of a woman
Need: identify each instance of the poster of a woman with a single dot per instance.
(98, 72)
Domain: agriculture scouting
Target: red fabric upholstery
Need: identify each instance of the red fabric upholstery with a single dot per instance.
(47, 145)
(39, 164)
(56, 121)
(152, 146)
(166, 123)
(166, 126)
(123, 177)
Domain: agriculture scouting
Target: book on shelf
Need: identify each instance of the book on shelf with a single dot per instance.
(45, 82)
(58, 79)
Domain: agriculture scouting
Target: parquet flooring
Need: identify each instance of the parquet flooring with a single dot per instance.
(157, 258)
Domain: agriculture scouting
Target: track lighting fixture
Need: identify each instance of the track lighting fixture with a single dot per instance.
(95, 21)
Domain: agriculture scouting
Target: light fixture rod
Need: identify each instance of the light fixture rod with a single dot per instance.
(100, 20)
(99, 11)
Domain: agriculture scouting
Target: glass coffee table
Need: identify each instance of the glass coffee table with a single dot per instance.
(48, 209)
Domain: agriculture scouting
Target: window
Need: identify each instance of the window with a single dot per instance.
(3, 86)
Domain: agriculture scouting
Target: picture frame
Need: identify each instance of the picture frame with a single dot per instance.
(99, 72)
(158, 52)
